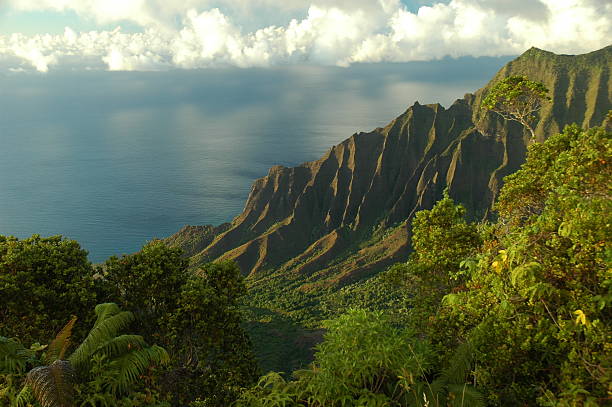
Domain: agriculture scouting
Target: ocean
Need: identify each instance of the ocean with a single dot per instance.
(114, 159)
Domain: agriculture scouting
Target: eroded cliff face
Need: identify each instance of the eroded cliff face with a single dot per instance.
(347, 215)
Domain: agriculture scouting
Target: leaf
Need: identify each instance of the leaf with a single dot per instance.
(121, 345)
(451, 299)
(110, 321)
(581, 317)
(564, 229)
(13, 356)
(24, 398)
(37, 347)
(127, 369)
(59, 345)
(525, 276)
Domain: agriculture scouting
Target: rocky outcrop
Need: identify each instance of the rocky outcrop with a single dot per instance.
(346, 215)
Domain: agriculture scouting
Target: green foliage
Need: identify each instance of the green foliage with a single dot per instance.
(279, 343)
(147, 284)
(441, 239)
(536, 307)
(366, 361)
(110, 320)
(43, 281)
(15, 361)
(530, 294)
(106, 366)
(363, 351)
(517, 98)
(205, 328)
(53, 385)
(373, 294)
(14, 357)
(24, 398)
(126, 357)
(194, 315)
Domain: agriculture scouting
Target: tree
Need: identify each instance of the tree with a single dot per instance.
(517, 98)
(214, 357)
(193, 314)
(43, 281)
(147, 284)
(441, 239)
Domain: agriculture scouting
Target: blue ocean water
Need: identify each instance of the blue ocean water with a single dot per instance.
(113, 159)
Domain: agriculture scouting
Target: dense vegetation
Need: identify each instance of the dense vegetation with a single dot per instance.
(518, 308)
(161, 336)
(533, 298)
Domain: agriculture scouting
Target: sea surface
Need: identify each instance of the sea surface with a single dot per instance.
(114, 159)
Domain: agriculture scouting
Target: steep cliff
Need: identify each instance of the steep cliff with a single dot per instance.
(341, 218)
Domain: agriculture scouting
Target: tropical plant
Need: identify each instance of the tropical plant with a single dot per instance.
(146, 283)
(441, 240)
(124, 358)
(15, 361)
(214, 357)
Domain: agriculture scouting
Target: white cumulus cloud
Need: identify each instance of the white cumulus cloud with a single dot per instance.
(204, 33)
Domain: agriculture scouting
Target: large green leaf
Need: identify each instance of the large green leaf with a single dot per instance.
(127, 369)
(111, 320)
(13, 356)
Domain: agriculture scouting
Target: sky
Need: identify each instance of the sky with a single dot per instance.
(154, 35)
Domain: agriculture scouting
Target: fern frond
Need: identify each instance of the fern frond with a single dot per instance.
(24, 398)
(436, 392)
(126, 369)
(460, 365)
(13, 356)
(110, 321)
(104, 311)
(53, 385)
(121, 345)
(59, 345)
(464, 395)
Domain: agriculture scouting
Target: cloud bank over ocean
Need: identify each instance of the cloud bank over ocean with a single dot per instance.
(257, 33)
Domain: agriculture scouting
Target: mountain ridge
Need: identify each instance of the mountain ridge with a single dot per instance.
(346, 216)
